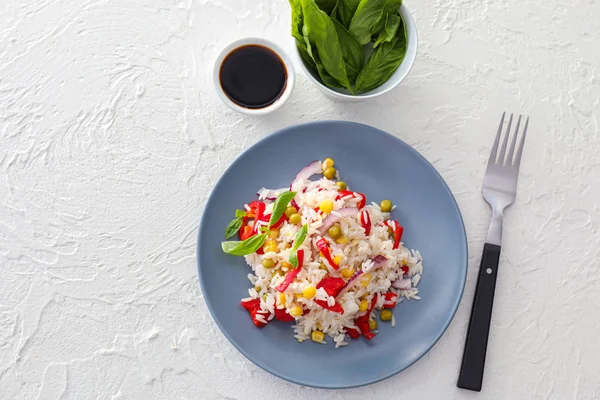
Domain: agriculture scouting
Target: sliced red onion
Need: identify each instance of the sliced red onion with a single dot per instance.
(306, 172)
(270, 194)
(378, 262)
(402, 284)
(335, 216)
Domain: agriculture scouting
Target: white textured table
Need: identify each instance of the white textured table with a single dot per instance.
(111, 138)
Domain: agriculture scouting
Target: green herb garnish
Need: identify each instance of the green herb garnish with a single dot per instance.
(333, 37)
(300, 237)
(280, 205)
(245, 247)
(235, 224)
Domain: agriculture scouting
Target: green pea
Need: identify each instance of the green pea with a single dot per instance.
(385, 205)
(341, 185)
(268, 263)
(372, 324)
(386, 315)
(329, 173)
(335, 231)
(295, 219)
(290, 211)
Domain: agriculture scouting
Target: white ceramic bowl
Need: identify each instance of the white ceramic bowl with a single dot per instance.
(397, 77)
(287, 61)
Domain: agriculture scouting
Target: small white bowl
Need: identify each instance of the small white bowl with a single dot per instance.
(344, 95)
(289, 65)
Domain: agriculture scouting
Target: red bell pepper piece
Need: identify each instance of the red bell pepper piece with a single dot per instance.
(245, 232)
(398, 230)
(335, 308)
(365, 318)
(365, 330)
(323, 246)
(353, 333)
(266, 218)
(256, 211)
(404, 269)
(332, 287)
(363, 321)
(282, 315)
(344, 193)
(365, 221)
(253, 307)
(291, 275)
(390, 300)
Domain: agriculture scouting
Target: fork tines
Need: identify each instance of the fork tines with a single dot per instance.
(503, 158)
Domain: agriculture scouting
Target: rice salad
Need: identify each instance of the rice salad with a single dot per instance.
(322, 258)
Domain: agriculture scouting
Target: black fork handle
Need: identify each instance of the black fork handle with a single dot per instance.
(473, 362)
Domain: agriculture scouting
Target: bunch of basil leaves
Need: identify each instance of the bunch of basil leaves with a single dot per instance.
(334, 37)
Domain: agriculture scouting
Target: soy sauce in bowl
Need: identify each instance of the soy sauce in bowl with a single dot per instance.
(253, 76)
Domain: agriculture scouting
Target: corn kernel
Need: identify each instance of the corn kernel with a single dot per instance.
(337, 259)
(296, 311)
(297, 295)
(364, 305)
(364, 282)
(326, 206)
(317, 336)
(282, 299)
(287, 265)
(347, 272)
(319, 326)
(309, 292)
(274, 234)
(323, 267)
(328, 163)
(257, 288)
(270, 245)
(342, 240)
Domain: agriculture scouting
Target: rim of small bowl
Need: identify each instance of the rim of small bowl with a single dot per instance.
(411, 55)
(287, 62)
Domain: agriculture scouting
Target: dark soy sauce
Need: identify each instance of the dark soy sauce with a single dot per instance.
(253, 76)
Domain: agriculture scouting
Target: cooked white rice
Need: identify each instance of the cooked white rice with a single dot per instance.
(357, 253)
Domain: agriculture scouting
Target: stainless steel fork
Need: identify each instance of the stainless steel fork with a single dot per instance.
(499, 190)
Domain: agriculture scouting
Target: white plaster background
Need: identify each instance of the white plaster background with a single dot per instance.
(111, 138)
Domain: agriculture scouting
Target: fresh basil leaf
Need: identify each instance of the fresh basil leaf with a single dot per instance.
(370, 17)
(345, 10)
(390, 7)
(319, 68)
(306, 57)
(233, 227)
(366, 15)
(280, 205)
(300, 238)
(245, 247)
(352, 51)
(392, 23)
(296, 19)
(322, 36)
(326, 5)
(240, 213)
(294, 259)
(382, 63)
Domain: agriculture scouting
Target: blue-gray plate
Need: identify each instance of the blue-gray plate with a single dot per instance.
(381, 166)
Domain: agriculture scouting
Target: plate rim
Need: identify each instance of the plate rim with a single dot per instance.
(283, 131)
